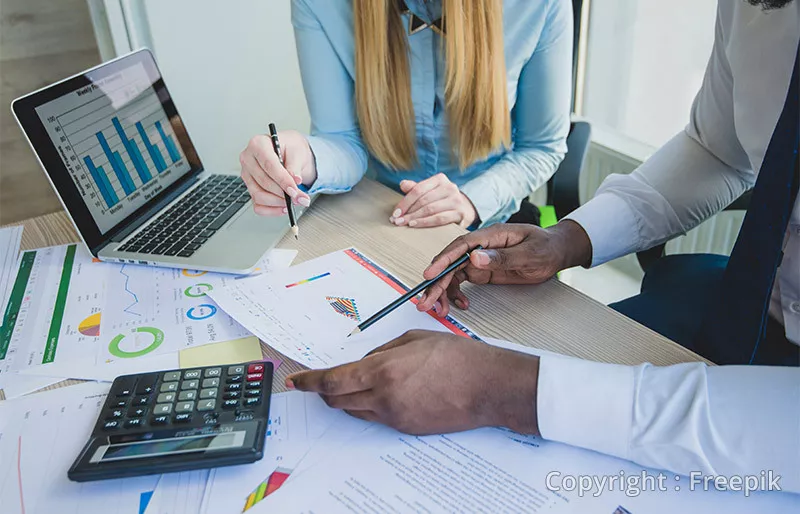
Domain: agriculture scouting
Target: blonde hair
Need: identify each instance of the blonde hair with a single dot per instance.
(476, 98)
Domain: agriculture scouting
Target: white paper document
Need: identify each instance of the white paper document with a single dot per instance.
(297, 420)
(10, 240)
(307, 311)
(70, 316)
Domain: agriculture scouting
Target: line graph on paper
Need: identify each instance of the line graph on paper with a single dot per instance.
(130, 309)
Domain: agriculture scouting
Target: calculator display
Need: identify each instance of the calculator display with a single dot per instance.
(163, 447)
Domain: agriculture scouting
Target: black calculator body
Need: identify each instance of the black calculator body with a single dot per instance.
(179, 420)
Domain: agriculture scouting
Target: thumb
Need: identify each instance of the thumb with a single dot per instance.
(407, 185)
(501, 259)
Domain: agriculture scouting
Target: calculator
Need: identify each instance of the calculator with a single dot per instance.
(179, 420)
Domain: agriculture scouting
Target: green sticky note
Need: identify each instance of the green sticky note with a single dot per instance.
(548, 216)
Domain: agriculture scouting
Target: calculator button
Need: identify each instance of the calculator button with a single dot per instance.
(252, 393)
(190, 384)
(125, 387)
(232, 395)
(210, 382)
(147, 384)
(184, 417)
(134, 422)
(208, 393)
(233, 387)
(210, 418)
(172, 376)
(137, 412)
(166, 398)
(255, 368)
(255, 377)
(162, 408)
(141, 400)
(169, 387)
(244, 415)
(116, 414)
(236, 370)
(191, 374)
(160, 420)
(229, 404)
(253, 385)
(213, 372)
(249, 402)
(118, 403)
(112, 424)
(184, 407)
(207, 405)
(234, 379)
(187, 395)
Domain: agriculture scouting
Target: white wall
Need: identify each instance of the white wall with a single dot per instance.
(231, 67)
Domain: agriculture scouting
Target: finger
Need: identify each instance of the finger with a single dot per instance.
(366, 415)
(434, 293)
(261, 150)
(437, 220)
(360, 401)
(491, 237)
(270, 211)
(261, 197)
(346, 379)
(421, 207)
(412, 196)
(502, 259)
(407, 185)
(454, 292)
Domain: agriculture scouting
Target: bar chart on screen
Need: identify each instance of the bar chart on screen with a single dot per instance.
(116, 141)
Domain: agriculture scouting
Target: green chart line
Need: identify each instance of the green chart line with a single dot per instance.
(15, 301)
(61, 303)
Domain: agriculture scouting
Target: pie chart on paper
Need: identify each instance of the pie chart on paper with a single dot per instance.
(90, 326)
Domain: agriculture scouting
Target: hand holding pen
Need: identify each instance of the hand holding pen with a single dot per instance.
(276, 145)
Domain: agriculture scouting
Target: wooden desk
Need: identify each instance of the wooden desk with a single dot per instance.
(551, 316)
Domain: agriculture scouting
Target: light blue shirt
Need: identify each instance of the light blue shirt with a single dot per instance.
(538, 54)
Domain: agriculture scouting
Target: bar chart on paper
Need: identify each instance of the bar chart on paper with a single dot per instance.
(117, 143)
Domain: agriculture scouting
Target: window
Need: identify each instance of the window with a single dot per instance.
(645, 61)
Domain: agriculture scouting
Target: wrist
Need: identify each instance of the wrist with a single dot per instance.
(573, 246)
(471, 216)
(514, 398)
(308, 174)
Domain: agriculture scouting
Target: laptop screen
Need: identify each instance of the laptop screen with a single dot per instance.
(116, 140)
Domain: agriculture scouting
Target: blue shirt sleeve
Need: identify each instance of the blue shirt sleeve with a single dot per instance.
(540, 120)
(340, 154)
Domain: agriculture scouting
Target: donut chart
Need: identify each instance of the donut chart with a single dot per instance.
(197, 290)
(115, 350)
(193, 273)
(202, 311)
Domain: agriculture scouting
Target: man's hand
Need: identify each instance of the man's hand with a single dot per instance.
(433, 202)
(512, 254)
(430, 383)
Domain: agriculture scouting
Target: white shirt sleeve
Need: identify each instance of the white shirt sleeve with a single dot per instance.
(695, 175)
(727, 420)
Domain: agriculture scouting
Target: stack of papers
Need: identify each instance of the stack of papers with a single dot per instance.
(71, 316)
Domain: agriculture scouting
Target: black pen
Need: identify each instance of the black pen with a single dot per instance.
(276, 145)
(409, 295)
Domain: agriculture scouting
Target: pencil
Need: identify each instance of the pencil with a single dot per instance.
(409, 295)
(276, 145)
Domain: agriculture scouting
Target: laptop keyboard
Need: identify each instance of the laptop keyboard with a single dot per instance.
(187, 225)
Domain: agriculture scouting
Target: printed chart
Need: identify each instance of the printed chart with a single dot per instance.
(54, 309)
(307, 312)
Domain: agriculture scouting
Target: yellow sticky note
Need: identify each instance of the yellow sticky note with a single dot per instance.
(226, 352)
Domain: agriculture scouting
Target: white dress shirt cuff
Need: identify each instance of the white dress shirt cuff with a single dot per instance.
(610, 224)
(586, 404)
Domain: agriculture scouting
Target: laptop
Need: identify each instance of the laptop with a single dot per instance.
(117, 153)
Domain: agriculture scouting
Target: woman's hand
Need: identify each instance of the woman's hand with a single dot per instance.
(433, 202)
(267, 179)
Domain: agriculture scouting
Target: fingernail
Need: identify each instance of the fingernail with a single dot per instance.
(304, 201)
(412, 223)
(285, 210)
(399, 221)
(391, 219)
(460, 304)
(423, 297)
(289, 383)
(437, 307)
(292, 192)
(482, 257)
(397, 213)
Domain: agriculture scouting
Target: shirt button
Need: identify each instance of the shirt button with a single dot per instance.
(795, 307)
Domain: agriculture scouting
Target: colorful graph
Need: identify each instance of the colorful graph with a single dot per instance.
(202, 311)
(267, 487)
(191, 273)
(344, 306)
(197, 290)
(306, 281)
(90, 326)
(115, 349)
